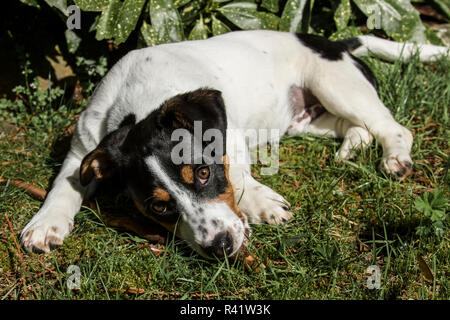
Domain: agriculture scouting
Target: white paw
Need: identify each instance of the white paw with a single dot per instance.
(263, 205)
(45, 232)
(398, 164)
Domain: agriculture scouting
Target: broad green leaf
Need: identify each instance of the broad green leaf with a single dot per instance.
(180, 3)
(32, 3)
(342, 14)
(439, 199)
(397, 18)
(291, 18)
(149, 34)
(166, 21)
(269, 20)
(422, 205)
(200, 31)
(191, 10)
(245, 16)
(127, 18)
(73, 40)
(107, 23)
(61, 5)
(346, 33)
(241, 5)
(92, 5)
(271, 5)
(218, 27)
(437, 215)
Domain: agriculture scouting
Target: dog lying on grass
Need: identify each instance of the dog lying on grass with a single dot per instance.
(210, 90)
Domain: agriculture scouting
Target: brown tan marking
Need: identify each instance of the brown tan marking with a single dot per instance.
(161, 194)
(187, 173)
(179, 121)
(228, 195)
(182, 122)
(95, 164)
(174, 106)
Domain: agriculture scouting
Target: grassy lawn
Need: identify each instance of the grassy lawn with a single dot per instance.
(348, 216)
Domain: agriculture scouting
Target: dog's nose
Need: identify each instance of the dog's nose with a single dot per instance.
(221, 245)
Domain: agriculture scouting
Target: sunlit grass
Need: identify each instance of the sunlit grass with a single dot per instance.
(348, 216)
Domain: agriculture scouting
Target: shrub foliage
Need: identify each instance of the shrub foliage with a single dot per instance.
(162, 21)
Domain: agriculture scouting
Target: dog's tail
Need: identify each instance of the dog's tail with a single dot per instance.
(390, 51)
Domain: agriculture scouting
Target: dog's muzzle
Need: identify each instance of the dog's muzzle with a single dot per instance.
(221, 246)
(217, 231)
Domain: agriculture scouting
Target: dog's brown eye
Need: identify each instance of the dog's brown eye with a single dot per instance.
(203, 174)
(159, 207)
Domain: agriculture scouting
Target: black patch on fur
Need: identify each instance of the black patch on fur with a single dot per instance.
(351, 44)
(129, 119)
(327, 49)
(366, 71)
(205, 105)
(132, 142)
(333, 50)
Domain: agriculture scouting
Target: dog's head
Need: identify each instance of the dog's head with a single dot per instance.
(186, 191)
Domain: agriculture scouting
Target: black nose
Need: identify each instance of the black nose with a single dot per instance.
(222, 244)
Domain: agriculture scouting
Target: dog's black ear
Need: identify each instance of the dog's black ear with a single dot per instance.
(205, 105)
(104, 160)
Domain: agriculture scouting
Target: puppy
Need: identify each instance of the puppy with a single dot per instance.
(260, 80)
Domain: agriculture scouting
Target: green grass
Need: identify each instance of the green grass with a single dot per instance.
(348, 216)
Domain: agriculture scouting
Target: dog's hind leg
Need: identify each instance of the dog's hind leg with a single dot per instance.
(345, 92)
(329, 125)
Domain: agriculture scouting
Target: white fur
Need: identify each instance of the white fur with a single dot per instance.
(254, 70)
(391, 51)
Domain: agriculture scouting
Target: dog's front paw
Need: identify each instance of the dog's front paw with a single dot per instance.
(398, 165)
(263, 205)
(45, 232)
